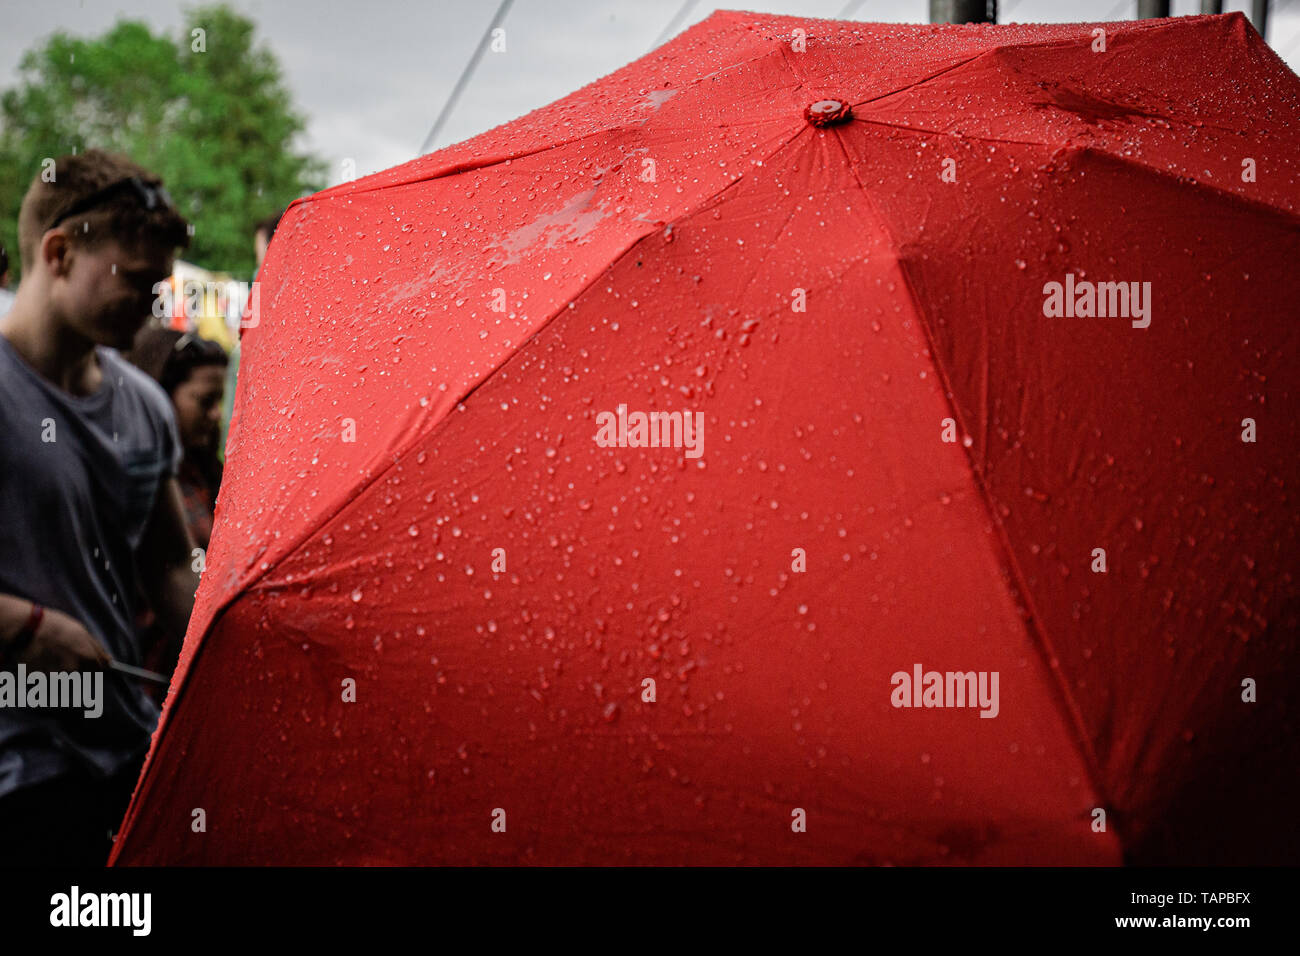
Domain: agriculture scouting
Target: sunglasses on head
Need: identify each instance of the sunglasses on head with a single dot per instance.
(185, 341)
(149, 196)
(192, 342)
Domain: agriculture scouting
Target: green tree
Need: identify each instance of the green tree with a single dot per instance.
(207, 110)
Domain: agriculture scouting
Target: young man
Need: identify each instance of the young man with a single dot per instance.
(90, 515)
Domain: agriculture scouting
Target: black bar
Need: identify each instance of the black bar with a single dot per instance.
(963, 11)
(681, 907)
(1259, 16)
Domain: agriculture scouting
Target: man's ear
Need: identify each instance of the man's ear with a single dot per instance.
(56, 252)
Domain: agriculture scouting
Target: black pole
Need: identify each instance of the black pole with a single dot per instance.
(1259, 16)
(1211, 6)
(963, 11)
(1152, 9)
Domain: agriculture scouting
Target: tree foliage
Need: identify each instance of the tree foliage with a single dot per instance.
(207, 110)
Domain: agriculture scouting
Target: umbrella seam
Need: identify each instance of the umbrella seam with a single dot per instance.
(924, 79)
(467, 166)
(1136, 26)
(1033, 624)
(1256, 205)
(943, 132)
(1095, 150)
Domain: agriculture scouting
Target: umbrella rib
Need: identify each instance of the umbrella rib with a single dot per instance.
(1135, 26)
(1013, 45)
(1255, 204)
(771, 248)
(944, 132)
(1010, 45)
(468, 166)
(925, 79)
(1033, 623)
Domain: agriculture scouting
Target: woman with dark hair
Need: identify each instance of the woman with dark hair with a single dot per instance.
(192, 371)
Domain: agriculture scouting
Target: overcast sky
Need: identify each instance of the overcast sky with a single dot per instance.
(371, 76)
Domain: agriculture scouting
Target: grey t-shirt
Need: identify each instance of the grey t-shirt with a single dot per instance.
(79, 476)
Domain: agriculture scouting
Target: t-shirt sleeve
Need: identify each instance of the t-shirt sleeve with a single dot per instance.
(161, 412)
(156, 415)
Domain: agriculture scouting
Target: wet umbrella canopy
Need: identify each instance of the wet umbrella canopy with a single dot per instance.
(979, 559)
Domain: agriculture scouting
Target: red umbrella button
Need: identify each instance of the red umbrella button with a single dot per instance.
(828, 112)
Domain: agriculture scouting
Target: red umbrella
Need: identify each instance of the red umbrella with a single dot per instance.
(954, 550)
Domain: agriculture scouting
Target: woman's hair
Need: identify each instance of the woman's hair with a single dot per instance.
(269, 224)
(169, 356)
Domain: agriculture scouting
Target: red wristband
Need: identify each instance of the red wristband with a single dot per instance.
(24, 637)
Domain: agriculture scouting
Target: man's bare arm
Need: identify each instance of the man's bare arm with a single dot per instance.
(60, 642)
(14, 612)
(166, 562)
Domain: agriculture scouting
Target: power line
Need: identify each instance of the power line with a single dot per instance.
(1116, 9)
(675, 23)
(465, 74)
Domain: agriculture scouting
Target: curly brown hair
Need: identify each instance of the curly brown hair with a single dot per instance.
(122, 216)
